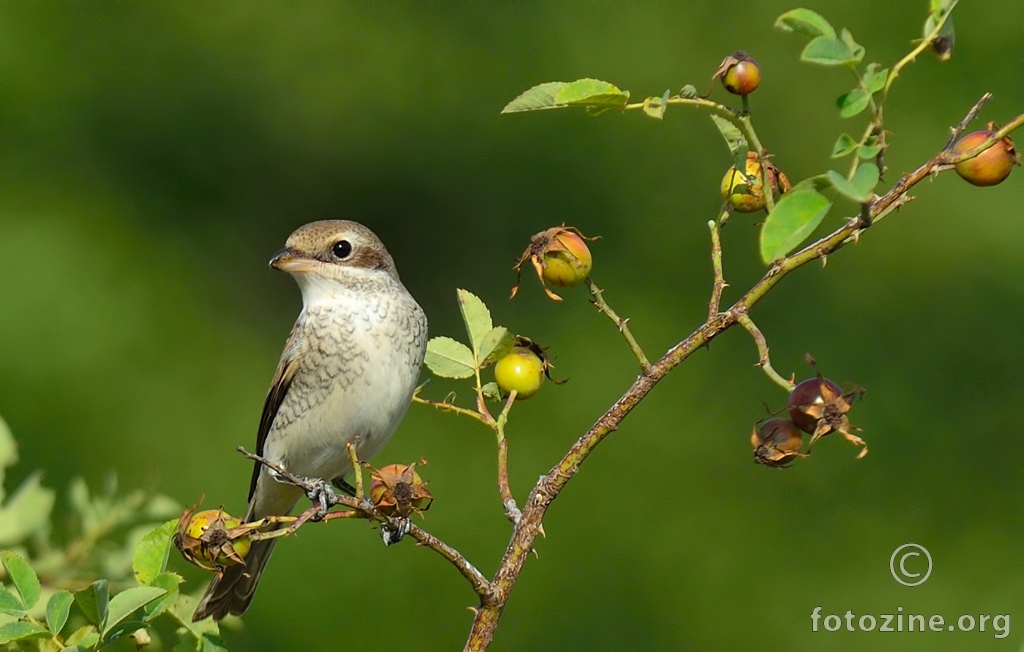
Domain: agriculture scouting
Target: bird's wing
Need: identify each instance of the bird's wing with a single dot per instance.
(278, 389)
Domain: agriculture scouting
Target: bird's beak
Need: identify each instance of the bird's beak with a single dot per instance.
(288, 260)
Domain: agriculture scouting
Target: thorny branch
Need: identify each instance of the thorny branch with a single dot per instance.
(551, 484)
(620, 323)
(719, 284)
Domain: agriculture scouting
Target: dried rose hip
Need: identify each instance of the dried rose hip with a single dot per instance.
(819, 407)
(776, 443)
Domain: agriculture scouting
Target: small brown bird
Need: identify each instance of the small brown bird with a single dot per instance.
(347, 374)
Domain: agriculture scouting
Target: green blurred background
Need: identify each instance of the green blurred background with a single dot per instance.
(153, 156)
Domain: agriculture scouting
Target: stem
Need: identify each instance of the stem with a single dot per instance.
(620, 323)
(766, 182)
(512, 511)
(481, 403)
(445, 406)
(716, 263)
(357, 469)
(476, 579)
(762, 348)
(921, 47)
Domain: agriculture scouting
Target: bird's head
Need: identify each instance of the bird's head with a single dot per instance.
(321, 255)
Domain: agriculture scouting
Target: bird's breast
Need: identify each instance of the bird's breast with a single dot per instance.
(358, 360)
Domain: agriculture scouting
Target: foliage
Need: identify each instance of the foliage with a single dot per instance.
(50, 598)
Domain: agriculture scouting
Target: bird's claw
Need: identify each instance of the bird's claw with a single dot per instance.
(322, 496)
(392, 534)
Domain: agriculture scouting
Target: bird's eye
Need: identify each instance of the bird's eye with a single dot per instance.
(342, 248)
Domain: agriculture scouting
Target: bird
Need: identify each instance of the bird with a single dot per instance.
(347, 375)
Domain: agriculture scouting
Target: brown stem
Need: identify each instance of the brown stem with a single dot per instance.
(551, 484)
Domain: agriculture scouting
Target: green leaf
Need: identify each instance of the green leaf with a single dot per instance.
(23, 576)
(183, 609)
(844, 146)
(19, 631)
(591, 92)
(689, 92)
(795, 217)
(85, 636)
(541, 96)
(93, 601)
(818, 182)
(10, 603)
(477, 318)
(806, 22)
(852, 103)
(496, 343)
(26, 511)
(874, 77)
(57, 610)
(828, 51)
(449, 359)
(211, 643)
(856, 48)
(655, 106)
(734, 140)
(150, 557)
(170, 582)
(491, 391)
(869, 151)
(860, 186)
(126, 602)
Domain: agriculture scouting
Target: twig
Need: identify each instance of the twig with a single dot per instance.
(508, 501)
(357, 469)
(968, 119)
(762, 348)
(923, 45)
(476, 579)
(716, 263)
(444, 406)
(620, 323)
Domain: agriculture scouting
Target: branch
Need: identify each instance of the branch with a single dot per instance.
(362, 508)
(762, 348)
(552, 483)
(445, 406)
(716, 263)
(512, 511)
(620, 323)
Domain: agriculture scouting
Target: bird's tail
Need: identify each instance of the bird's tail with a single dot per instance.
(232, 592)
